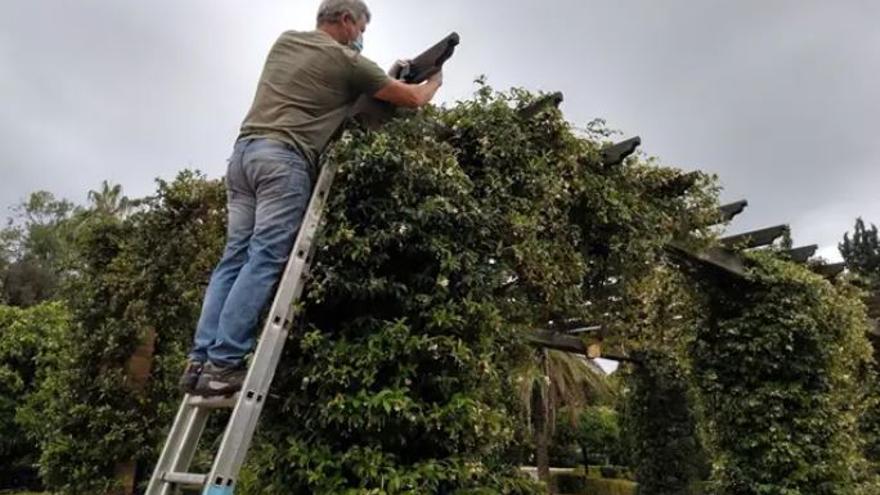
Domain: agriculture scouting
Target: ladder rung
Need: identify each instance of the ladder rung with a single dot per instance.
(188, 479)
(227, 402)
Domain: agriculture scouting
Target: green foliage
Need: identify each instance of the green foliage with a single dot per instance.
(779, 368)
(627, 225)
(444, 243)
(34, 248)
(553, 386)
(662, 422)
(598, 434)
(570, 380)
(109, 200)
(861, 252)
(401, 384)
(37, 244)
(869, 421)
(592, 438)
(28, 345)
(27, 282)
(658, 414)
(144, 271)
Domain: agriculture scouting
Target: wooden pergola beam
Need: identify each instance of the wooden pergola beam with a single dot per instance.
(549, 339)
(755, 238)
(830, 270)
(586, 330)
(714, 258)
(730, 210)
(541, 104)
(802, 254)
(558, 341)
(573, 326)
(616, 153)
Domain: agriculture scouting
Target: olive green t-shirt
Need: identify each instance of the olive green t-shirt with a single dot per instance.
(306, 90)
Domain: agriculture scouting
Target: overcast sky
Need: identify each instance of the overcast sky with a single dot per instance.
(779, 98)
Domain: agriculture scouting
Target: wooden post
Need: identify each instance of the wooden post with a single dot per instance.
(140, 364)
(137, 371)
(124, 473)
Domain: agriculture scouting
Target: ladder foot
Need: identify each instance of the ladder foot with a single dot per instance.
(218, 490)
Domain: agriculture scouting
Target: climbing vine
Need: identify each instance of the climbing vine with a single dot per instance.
(779, 368)
(450, 235)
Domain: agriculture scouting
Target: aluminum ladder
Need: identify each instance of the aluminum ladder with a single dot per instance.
(171, 471)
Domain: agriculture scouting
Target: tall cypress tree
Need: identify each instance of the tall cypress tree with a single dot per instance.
(861, 252)
(862, 256)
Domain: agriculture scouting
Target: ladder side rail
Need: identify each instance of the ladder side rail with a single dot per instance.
(180, 446)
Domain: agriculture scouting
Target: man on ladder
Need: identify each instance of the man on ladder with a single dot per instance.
(309, 83)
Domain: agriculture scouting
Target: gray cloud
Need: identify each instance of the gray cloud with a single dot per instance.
(778, 98)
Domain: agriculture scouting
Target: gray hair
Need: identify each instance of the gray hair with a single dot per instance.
(332, 11)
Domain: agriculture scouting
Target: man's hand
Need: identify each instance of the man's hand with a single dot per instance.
(402, 94)
(437, 78)
(399, 68)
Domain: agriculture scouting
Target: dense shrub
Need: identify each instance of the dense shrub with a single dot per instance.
(861, 252)
(436, 257)
(661, 416)
(29, 340)
(129, 275)
(660, 423)
(443, 245)
(780, 366)
(592, 437)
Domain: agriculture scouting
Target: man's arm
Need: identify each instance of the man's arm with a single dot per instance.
(410, 95)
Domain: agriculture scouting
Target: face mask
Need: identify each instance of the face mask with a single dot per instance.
(358, 43)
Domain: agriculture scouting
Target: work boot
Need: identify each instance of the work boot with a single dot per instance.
(190, 376)
(220, 380)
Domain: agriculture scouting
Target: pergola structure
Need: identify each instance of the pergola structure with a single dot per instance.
(723, 261)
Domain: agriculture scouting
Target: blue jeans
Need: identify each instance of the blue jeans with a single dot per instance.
(268, 187)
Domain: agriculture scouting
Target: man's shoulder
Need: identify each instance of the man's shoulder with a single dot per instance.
(315, 38)
(334, 55)
(304, 35)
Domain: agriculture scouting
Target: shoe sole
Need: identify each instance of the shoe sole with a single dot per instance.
(207, 391)
(216, 393)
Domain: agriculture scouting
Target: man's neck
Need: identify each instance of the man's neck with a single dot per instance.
(334, 31)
